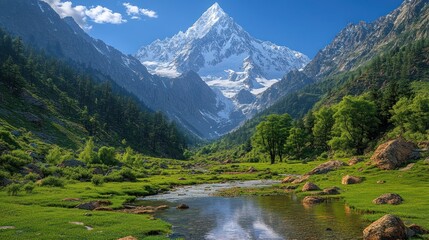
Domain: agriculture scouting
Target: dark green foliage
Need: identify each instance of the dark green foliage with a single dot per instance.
(77, 173)
(14, 160)
(88, 98)
(88, 154)
(32, 177)
(29, 187)
(125, 174)
(271, 135)
(7, 140)
(53, 182)
(384, 80)
(106, 155)
(97, 180)
(324, 121)
(411, 117)
(13, 189)
(356, 122)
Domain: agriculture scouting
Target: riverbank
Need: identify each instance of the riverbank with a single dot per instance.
(55, 216)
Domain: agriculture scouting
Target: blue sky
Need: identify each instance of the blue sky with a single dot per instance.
(303, 25)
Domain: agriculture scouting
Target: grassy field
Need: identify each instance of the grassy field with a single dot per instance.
(44, 215)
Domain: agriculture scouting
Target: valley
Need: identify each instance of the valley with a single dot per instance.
(211, 133)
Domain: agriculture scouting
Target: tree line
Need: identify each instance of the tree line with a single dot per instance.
(107, 112)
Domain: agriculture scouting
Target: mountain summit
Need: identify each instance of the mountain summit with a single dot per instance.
(226, 57)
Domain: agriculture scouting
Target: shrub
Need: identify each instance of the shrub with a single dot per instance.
(97, 180)
(106, 155)
(54, 155)
(32, 177)
(13, 189)
(128, 175)
(78, 173)
(7, 138)
(29, 187)
(125, 174)
(52, 182)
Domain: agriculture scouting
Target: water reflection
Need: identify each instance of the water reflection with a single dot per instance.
(238, 220)
(271, 217)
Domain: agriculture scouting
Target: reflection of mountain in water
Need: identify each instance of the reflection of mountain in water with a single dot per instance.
(239, 221)
(268, 217)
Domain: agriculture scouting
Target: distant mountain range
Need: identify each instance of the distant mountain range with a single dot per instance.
(240, 75)
(228, 59)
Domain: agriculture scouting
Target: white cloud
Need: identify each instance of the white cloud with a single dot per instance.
(81, 14)
(104, 15)
(135, 12)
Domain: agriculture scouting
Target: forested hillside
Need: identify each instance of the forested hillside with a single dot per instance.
(384, 81)
(62, 106)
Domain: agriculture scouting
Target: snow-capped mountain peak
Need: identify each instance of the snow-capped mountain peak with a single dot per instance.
(226, 57)
(205, 23)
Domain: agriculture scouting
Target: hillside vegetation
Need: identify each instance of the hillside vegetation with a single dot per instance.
(391, 80)
(59, 105)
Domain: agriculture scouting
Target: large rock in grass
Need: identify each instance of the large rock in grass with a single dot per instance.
(355, 160)
(94, 204)
(326, 167)
(350, 180)
(388, 198)
(393, 154)
(388, 227)
(309, 186)
(288, 179)
(331, 191)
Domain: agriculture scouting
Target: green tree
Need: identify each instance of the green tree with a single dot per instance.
(54, 155)
(88, 155)
(296, 142)
(324, 121)
(411, 117)
(271, 135)
(128, 157)
(355, 122)
(106, 155)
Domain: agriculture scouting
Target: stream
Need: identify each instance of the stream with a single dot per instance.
(255, 217)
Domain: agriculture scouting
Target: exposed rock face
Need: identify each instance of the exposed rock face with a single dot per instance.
(350, 180)
(388, 227)
(388, 198)
(326, 167)
(128, 238)
(301, 179)
(309, 186)
(182, 206)
(355, 160)
(313, 200)
(393, 154)
(331, 191)
(93, 204)
(418, 229)
(288, 179)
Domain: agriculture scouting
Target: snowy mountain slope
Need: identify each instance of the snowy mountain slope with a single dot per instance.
(224, 55)
(187, 99)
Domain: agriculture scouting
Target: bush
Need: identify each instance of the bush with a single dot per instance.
(32, 177)
(106, 155)
(29, 187)
(78, 173)
(52, 182)
(13, 189)
(54, 155)
(97, 180)
(125, 174)
(7, 138)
